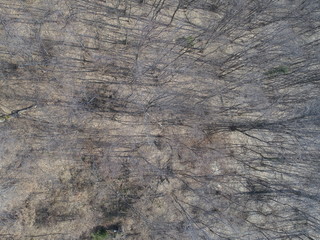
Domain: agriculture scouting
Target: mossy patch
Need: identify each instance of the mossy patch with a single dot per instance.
(100, 233)
(186, 42)
(280, 70)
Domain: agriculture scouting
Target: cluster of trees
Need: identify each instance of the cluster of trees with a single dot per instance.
(179, 119)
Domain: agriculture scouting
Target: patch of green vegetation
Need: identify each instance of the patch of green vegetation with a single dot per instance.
(106, 232)
(100, 235)
(280, 70)
(187, 42)
(4, 118)
(190, 41)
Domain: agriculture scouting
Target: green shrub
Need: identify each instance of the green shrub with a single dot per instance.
(4, 118)
(280, 70)
(187, 42)
(100, 235)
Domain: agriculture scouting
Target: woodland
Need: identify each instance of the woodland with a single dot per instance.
(159, 119)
